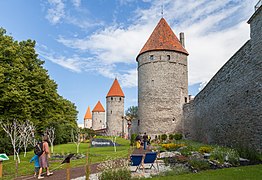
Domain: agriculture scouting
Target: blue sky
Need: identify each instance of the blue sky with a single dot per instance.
(87, 43)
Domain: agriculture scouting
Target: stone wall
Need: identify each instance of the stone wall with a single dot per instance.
(114, 114)
(162, 91)
(228, 111)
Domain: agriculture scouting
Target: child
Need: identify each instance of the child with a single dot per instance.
(37, 166)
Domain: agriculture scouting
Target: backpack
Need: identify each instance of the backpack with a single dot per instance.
(39, 149)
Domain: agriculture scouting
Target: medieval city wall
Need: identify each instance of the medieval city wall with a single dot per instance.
(228, 111)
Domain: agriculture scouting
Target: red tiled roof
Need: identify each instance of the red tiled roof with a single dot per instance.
(99, 107)
(115, 90)
(163, 38)
(88, 114)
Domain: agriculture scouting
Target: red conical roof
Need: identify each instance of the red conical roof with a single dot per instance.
(88, 114)
(115, 90)
(163, 38)
(99, 107)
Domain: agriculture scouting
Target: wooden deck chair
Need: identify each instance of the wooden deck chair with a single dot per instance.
(151, 158)
(136, 160)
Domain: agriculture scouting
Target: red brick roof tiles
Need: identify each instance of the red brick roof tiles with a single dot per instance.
(115, 90)
(163, 38)
(99, 107)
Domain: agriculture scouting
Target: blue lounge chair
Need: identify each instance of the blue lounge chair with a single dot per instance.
(136, 160)
(150, 158)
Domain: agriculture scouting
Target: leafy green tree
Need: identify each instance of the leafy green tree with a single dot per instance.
(28, 93)
(132, 112)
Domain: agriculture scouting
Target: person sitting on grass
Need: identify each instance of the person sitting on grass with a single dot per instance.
(36, 163)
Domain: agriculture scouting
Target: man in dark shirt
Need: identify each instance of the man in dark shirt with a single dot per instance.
(145, 138)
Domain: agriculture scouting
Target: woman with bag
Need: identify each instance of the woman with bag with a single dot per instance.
(43, 159)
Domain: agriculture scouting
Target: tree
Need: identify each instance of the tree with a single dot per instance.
(28, 93)
(12, 130)
(51, 137)
(26, 131)
(132, 112)
(76, 137)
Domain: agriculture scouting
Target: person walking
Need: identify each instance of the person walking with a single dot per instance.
(43, 159)
(35, 158)
(145, 139)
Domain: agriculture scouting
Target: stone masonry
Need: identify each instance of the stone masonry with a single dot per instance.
(228, 111)
(162, 91)
(116, 126)
(114, 115)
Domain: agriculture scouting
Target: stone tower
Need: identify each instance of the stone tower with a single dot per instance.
(98, 117)
(162, 82)
(115, 110)
(88, 119)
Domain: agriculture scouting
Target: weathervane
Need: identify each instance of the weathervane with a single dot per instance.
(162, 9)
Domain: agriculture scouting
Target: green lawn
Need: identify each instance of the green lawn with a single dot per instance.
(237, 173)
(98, 154)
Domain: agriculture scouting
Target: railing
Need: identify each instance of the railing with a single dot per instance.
(258, 5)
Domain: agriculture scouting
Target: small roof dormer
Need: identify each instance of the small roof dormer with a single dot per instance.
(115, 90)
(99, 107)
(88, 114)
(162, 38)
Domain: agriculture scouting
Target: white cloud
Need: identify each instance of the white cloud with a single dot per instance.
(56, 11)
(76, 3)
(214, 31)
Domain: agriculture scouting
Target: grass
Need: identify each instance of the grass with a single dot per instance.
(96, 154)
(238, 173)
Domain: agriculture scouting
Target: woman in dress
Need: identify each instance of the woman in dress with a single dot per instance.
(43, 159)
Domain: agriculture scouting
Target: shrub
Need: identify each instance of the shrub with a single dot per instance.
(178, 136)
(117, 174)
(199, 164)
(172, 146)
(186, 151)
(171, 137)
(221, 154)
(163, 137)
(132, 140)
(250, 154)
(205, 149)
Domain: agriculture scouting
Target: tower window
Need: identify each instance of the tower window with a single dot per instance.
(111, 98)
(151, 57)
(168, 57)
(111, 112)
(120, 99)
(185, 99)
(138, 122)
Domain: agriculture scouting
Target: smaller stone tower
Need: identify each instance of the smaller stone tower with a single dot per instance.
(88, 119)
(116, 125)
(98, 117)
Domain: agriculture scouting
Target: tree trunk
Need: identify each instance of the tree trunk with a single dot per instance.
(14, 154)
(52, 148)
(77, 148)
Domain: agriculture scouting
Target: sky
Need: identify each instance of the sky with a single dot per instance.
(86, 44)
